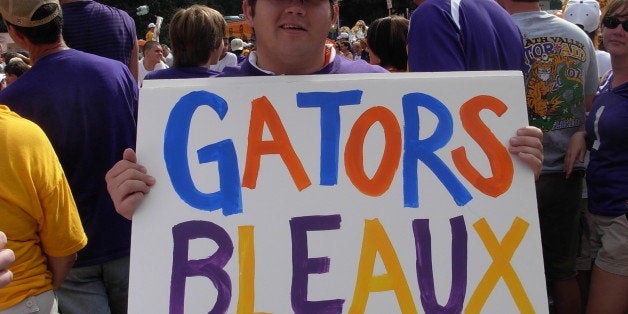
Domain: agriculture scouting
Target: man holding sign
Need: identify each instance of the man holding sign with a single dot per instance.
(127, 181)
(277, 23)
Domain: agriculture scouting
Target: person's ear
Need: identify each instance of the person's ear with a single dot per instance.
(247, 10)
(334, 15)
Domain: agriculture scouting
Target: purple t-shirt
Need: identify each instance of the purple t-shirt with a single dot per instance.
(607, 172)
(87, 106)
(96, 28)
(337, 66)
(463, 35)
(181, 73)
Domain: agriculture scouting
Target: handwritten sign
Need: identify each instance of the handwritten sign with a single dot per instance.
(370, 193)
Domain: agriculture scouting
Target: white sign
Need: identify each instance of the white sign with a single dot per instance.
(369, 193)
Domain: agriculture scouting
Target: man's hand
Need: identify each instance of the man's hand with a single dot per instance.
(127, 183)
(527, 144)
(7, 257)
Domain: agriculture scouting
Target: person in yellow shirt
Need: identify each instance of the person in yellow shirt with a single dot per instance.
(150, 34)
(39, 217)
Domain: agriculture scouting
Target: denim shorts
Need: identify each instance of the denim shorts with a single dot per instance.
(559, 216)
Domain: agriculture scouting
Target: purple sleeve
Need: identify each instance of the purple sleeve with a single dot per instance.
(434, 41)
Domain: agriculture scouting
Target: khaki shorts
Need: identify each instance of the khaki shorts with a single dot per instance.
(44, 303)
(609, 238)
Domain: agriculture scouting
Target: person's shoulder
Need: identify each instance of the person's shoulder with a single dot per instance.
(231, 56)
(430, 13)
(243, 69)
(346, 66)
(233, 71)
(161, 74)
(21, 131)
(181, 73)
(432, 5)
(96, 60)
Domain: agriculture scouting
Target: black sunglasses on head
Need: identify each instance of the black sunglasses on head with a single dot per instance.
(612, 22)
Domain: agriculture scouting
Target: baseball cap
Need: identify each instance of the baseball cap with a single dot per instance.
(237, 44)
(20, 12)
(584, 13)
(151, 25)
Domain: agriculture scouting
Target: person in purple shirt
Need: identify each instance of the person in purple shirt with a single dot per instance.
(105, 31)
(463, 35)
(305, 25)
(192, 57)
(281, 22)
(607, 173)
(87, 106)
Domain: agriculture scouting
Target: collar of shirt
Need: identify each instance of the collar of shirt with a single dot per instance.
(330, 54)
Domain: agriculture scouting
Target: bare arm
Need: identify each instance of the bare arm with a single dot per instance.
(60, 267)
(576, 150)
(7, 257)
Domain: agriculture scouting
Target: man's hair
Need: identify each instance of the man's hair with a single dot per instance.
(48, 33)
(16, 67)
(194, 33)
(615, 7)
(149, 45)
(252, 4)
(386, 37)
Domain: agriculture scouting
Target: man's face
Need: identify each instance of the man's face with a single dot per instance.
(295, 27)
(154, 54)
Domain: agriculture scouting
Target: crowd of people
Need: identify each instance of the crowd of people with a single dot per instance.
(68, 117)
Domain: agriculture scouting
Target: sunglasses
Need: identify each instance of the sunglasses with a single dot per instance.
(612, 22)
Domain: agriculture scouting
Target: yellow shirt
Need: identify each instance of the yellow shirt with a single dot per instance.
(37, 210)
(150, 35)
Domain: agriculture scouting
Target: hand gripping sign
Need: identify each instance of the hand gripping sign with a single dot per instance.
(370, 193)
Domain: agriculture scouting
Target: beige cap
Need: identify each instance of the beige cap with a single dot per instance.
(20, 12)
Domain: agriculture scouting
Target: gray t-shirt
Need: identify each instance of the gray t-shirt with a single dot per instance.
(561, 69)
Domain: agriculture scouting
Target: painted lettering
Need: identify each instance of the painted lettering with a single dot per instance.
(302, 265)
(229, 197)
(424, 150)
(354, 151)
(211, 267)
(424, 270)
(330, 104)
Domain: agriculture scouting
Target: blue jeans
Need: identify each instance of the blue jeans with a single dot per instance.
(97, 289)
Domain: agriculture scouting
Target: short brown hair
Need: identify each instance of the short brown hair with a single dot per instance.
(613, 7)
(387, 38)
(194, 32)
(16, 66)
